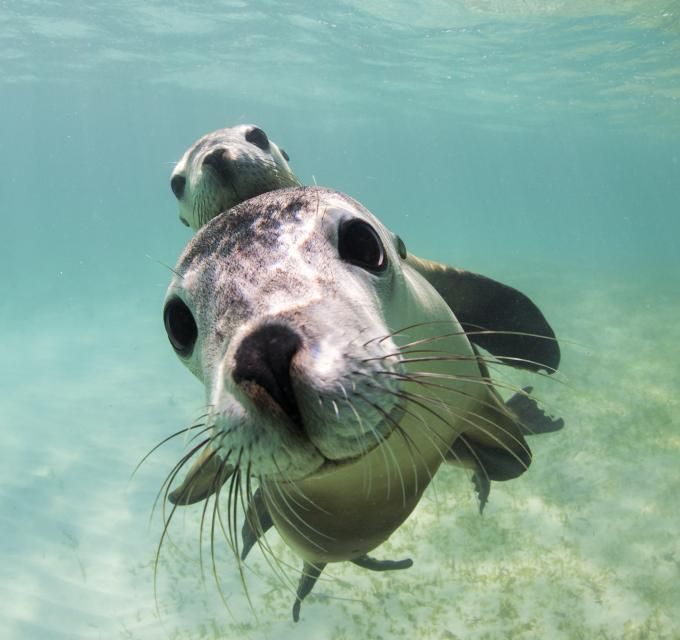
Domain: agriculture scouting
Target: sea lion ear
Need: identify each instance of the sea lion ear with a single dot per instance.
(205, 477)
(497, 317)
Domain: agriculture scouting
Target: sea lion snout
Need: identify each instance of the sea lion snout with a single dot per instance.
(219, 159)
(263, 361)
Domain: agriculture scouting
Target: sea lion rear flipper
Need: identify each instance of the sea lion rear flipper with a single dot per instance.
(493, 445)
(531, 418)
(496, 450)
(257, 522)
(518, 333)
(205, 477)
(310, 574)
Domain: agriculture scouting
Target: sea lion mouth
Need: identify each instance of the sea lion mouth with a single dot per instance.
(392, 418)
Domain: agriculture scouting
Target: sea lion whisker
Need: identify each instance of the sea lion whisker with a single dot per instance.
(216, 485)
(427, 433)
(166, 521)
(379, 439)
(163, 264)
(408, 440)
(234, 528)
(415, 325)
(165, 487)
(403, 395)
(477, 332)
(298, 490)
(499, 360)
(525, 392)
(302, 521)
(486, 381)
(562, 340)
(414, 379)
(337, 411)
(361, 444)
(474, 454)
(405, 409)
(453, 357)
(367, 469)
(464, 417)
(162, 442)
(495, 407)
(246, 498)
(387, 445)
(216, 515)
(230, 534)
(275, 563)
(416, 399)
(499, 409)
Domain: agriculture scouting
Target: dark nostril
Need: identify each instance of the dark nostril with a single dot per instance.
(177, 184)
(264, 357)
(219, 161)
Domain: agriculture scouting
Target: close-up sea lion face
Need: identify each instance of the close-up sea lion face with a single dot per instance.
(279, 307)
(226, 167)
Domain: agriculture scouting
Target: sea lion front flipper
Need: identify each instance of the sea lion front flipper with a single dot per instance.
(205, 477)
(518, 333)
(257, 522)
(366, 562)
(310, 574)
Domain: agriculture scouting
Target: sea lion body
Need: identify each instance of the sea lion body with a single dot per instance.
(338, 378)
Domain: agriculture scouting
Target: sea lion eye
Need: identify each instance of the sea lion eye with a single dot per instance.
(177, 184)
(285, 155)
(180, 326)
(259, 138)
(359, 244)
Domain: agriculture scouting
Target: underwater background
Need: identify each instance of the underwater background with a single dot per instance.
(534, 142)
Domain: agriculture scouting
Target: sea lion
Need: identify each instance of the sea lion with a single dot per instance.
(226, 167)
(338, 378)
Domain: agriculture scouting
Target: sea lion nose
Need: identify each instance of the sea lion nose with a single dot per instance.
(220, 161)
(264, 358)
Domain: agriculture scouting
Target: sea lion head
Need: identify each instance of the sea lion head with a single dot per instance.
(286, 307)
(226, 167)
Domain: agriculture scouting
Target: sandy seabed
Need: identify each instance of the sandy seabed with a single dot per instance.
(584, 545)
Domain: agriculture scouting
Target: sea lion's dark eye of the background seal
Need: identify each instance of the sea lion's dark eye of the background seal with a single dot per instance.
(180, 326)
(259, 138)
(177, 185)
(359, 244)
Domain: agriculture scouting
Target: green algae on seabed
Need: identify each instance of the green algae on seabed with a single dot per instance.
(582, 546)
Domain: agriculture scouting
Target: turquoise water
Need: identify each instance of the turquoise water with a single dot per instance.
(534, 142)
